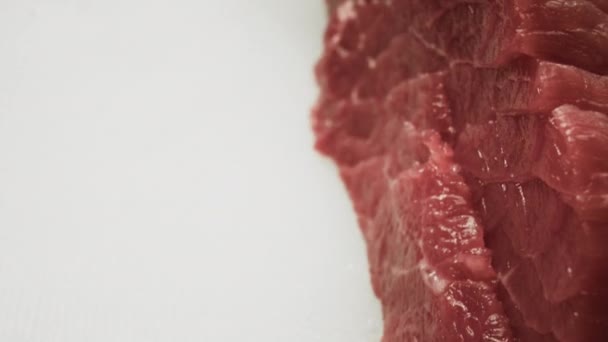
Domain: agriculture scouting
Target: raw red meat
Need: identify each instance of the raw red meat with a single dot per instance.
(472, 136)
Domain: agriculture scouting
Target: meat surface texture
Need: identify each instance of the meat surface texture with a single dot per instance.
(472, 137)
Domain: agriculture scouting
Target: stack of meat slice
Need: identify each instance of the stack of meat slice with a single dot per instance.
(473, 139)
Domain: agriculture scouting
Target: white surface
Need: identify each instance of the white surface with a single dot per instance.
(157, 181)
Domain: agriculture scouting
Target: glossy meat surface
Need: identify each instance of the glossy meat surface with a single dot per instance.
(473, 139)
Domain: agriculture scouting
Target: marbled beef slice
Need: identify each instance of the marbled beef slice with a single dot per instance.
(472, 137)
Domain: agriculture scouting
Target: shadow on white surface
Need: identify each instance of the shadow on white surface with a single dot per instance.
(157, 180)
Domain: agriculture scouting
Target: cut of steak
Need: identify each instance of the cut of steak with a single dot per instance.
(472, 137)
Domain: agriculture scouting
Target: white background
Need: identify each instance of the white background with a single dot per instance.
(157, 177)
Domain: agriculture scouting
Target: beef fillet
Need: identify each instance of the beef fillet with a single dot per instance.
(472, 137)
